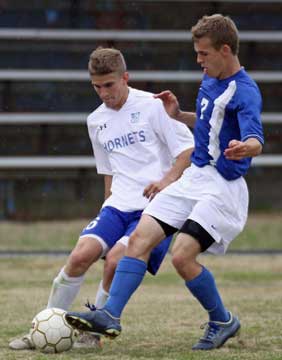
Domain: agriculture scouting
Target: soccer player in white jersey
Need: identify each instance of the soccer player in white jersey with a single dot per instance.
(209, 203)
(140, 150)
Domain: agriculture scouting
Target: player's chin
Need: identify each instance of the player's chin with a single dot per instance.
(109, 103)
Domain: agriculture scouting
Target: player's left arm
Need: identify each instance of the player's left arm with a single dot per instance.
(249, 119)
(182, 161)
(238, 150)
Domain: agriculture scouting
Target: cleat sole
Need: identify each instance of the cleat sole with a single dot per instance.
(84, 325)
(112, 333)
(79, 323)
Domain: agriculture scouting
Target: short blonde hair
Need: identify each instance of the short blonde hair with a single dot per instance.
(220, 29)
(104, 61)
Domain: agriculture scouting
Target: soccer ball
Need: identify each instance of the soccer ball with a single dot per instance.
(50, 332)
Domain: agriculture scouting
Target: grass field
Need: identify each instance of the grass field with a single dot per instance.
(263, 231)
(162, 320)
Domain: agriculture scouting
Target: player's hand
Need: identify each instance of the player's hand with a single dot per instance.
(152, 189)
(236, 150)
(170, 102)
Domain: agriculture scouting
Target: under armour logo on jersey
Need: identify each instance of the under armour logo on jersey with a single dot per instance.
(104, 126)
(135, 117)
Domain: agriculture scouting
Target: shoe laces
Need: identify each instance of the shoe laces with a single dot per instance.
(210, 332)
(91, 307)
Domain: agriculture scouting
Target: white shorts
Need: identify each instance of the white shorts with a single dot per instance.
(203, 195)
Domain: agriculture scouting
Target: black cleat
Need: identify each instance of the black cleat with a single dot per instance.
(98, 322)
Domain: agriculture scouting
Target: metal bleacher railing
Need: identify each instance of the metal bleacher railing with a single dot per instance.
(79, 75)
(124, 35)
(89, 161)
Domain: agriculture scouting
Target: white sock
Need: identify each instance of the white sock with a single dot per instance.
(101, 296)
(64, 290)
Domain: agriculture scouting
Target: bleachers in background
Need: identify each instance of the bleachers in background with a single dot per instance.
(45, 94)
(127, 14)
(70, 49)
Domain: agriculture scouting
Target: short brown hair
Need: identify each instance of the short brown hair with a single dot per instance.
(220, 29)
(104, 61)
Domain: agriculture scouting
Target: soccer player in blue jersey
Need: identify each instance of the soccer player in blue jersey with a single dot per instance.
(209, 203)
(139, 150)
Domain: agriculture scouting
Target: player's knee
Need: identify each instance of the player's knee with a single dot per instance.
(85, 253)
(184, 264)
(182, 255)
(78, 262)
(133, 239)
(138, 246)
(111, 263)
(178, 260)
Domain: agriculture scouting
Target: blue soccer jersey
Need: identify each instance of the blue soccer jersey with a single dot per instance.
(226, 109)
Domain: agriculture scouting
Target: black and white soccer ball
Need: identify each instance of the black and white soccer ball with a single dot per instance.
(50, 333)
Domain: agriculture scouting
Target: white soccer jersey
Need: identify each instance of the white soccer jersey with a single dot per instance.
(136, 145)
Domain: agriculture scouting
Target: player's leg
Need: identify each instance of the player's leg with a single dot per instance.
(212, 224)
(95, 240)
(115, 254)
(111, 261)
(67, 284)
(128, 276)
(131, 220)
(132, 267)
(112, 256)
(93, 243)
(191, 241)
(158, 254)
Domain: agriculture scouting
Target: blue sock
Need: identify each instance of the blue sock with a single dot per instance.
(204, 289)
(128, 276)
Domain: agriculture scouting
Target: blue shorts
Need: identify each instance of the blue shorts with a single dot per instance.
(112, 224)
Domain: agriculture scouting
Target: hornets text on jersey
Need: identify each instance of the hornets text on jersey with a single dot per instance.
(137, 145)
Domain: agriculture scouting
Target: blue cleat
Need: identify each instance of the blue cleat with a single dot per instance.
(98, 322)
(217, 333)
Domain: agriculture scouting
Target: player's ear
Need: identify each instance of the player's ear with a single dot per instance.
(125, 76)
(225, 49)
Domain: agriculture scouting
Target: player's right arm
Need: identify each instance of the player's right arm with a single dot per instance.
(171, 105)
(103, 164)
(107, 185)
(182, 161)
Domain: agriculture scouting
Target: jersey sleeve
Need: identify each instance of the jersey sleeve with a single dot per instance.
(102, 160)
(249, 116)
(176, 135)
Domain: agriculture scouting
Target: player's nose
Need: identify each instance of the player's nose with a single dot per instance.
(199, 59)
(103, 93)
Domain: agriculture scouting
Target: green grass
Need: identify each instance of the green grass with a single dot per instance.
(162, 320)
(261, 232)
